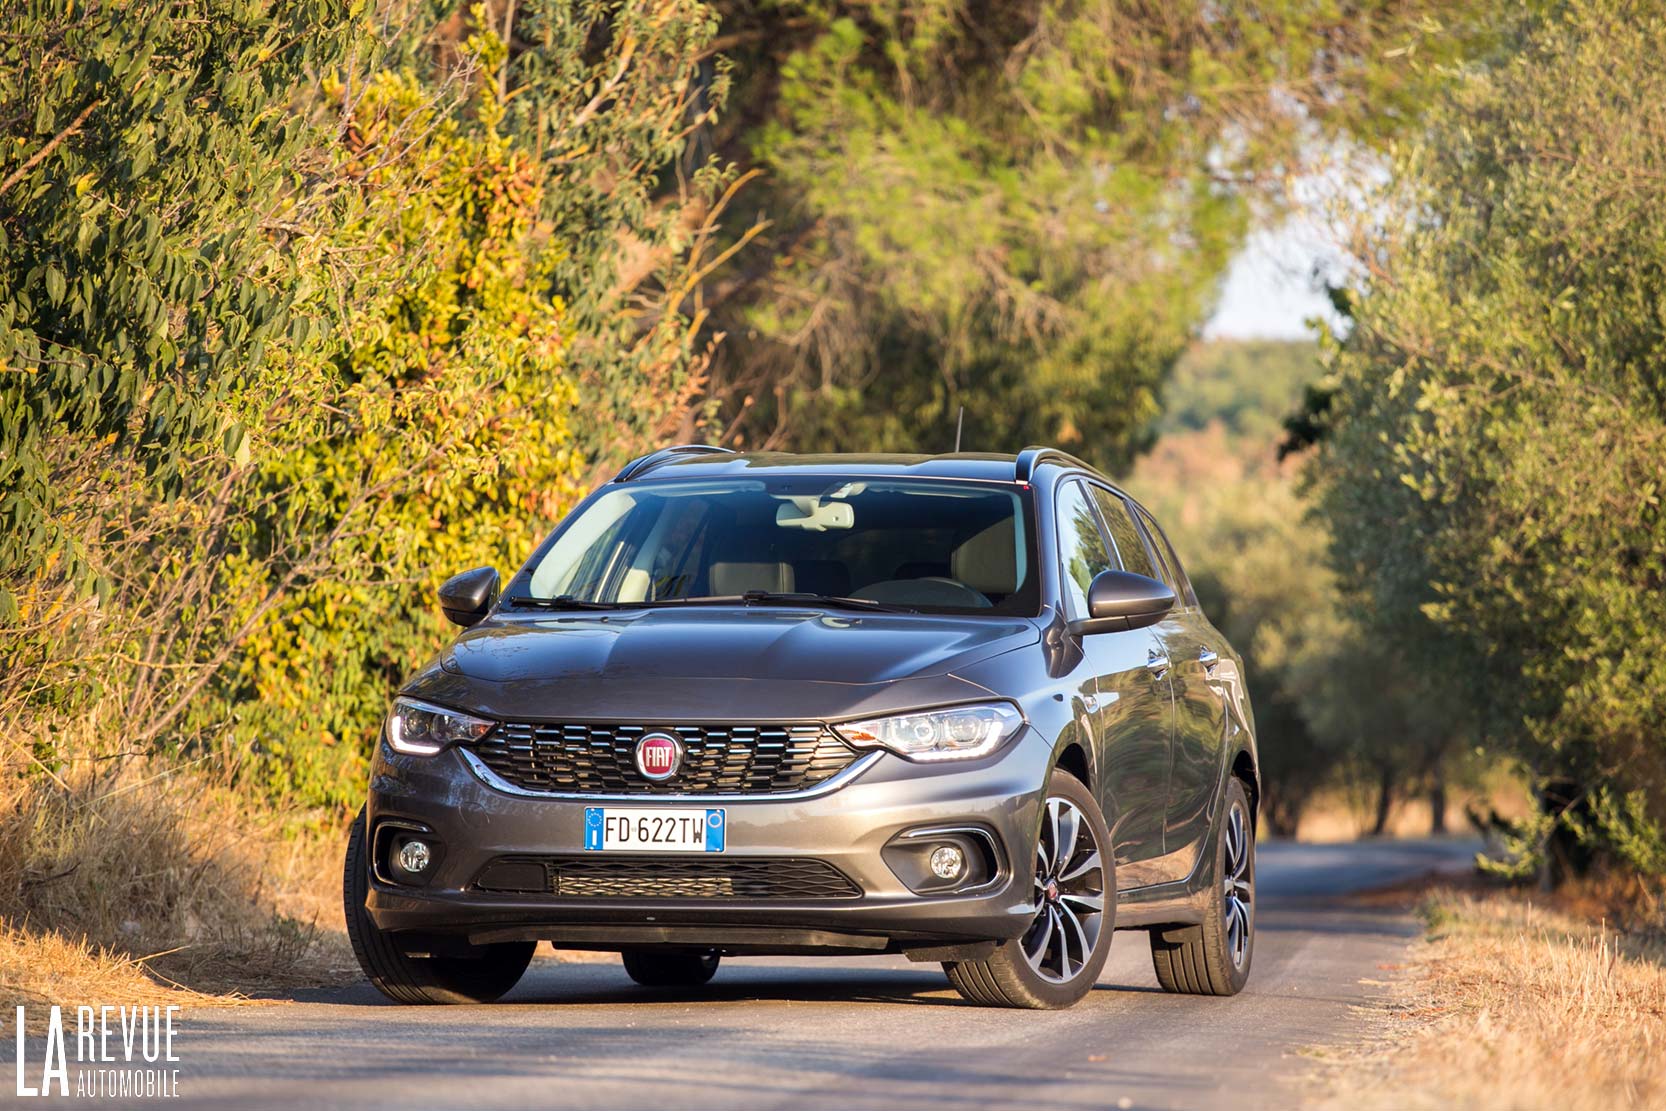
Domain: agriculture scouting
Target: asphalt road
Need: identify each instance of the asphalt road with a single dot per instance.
(878, 1032)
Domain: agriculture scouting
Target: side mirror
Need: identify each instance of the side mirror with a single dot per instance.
(1121, 600)
(465, 598)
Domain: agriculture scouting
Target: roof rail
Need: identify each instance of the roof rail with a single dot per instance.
(1032, 457)
(642, 464)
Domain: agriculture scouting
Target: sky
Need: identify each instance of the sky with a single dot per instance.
(1270, 290)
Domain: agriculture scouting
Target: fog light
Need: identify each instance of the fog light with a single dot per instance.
(947, 862)
(414, 857)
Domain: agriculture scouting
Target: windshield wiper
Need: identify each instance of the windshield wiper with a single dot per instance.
(783, 598)
(560, 602)
(840, 601)
(750, 598)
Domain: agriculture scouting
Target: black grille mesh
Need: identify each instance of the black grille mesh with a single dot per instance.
(737, 878)
(586, 758)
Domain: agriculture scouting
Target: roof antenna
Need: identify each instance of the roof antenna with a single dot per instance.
(959, 423)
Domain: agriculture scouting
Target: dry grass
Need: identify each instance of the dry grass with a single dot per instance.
(136, 880)
(1511, 1003)
(38, 969)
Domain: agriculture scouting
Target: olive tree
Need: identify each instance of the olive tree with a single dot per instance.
(1496, 441)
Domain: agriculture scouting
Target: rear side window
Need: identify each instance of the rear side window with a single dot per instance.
(1082, 551)
(1129, 547)
(1173, 574)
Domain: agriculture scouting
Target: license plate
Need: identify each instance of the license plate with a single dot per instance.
(653, 829)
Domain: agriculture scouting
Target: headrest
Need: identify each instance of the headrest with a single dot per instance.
(738, 578)
(989, 560)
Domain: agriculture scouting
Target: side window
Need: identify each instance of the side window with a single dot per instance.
(1129, 547)
(1173, 574)
(1082, 551)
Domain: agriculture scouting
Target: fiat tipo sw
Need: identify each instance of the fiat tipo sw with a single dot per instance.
(963, 708)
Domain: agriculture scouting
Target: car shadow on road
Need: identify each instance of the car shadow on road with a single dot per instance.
(749, 984)
(598, 984)
(603, 982)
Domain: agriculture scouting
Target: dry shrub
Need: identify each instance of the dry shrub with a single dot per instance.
(1511, 1004)
(125, 877)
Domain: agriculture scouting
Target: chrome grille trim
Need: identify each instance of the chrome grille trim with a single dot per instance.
(497, 783)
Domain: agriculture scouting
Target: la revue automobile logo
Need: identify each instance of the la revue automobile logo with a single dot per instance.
(107, 1053)
(658, 756)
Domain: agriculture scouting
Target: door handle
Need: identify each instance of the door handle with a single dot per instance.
(1156, 664)
(1208, 659)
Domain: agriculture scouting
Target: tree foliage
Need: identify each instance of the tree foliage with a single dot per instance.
(448, 397)
(302, 321)
(1021, 207)
(147, 248)
(305, 305)
(1492, 464)
(1336, 707)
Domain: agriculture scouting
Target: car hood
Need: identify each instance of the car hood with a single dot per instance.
(740, 663)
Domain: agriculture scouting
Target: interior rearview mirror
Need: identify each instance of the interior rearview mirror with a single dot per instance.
(814, 515)
(1121, 600)
(467, 597)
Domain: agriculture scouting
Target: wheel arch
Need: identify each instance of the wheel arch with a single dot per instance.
(1243, 768)
(1073, 757)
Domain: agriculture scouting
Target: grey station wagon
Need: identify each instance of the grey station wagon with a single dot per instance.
(964, 708)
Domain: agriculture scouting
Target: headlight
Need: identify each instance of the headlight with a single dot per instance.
(955, 733)
(418, 729)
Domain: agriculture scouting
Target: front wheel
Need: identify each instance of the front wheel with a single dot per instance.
(476, 974)
(1213, 958)
(1058, 958)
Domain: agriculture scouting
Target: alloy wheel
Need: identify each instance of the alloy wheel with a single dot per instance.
(1069, 895)
(1238, 888)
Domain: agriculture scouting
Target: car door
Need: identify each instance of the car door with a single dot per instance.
(1191, 645)
(1132, 710)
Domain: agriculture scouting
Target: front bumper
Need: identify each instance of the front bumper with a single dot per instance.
(847, 827)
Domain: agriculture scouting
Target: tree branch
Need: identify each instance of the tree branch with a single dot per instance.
(57, 140)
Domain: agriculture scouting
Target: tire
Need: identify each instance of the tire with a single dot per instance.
(480, 978)
(1045, 968)
(1214, 958)
(670, 968)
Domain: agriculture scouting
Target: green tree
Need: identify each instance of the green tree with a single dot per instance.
(1335, 707)
(147, 261)
(1493, 449)
(296, 324)
(1022, 208)
(1248, 387)
(448, 403)
(606, 95)
(520, 336)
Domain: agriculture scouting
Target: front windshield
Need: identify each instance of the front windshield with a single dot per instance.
(929, 545)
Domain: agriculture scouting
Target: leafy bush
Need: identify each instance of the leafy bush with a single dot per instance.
(448, 398)
(299, 319)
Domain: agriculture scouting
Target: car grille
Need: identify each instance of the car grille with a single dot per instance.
(585, 758)
(739, 878)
